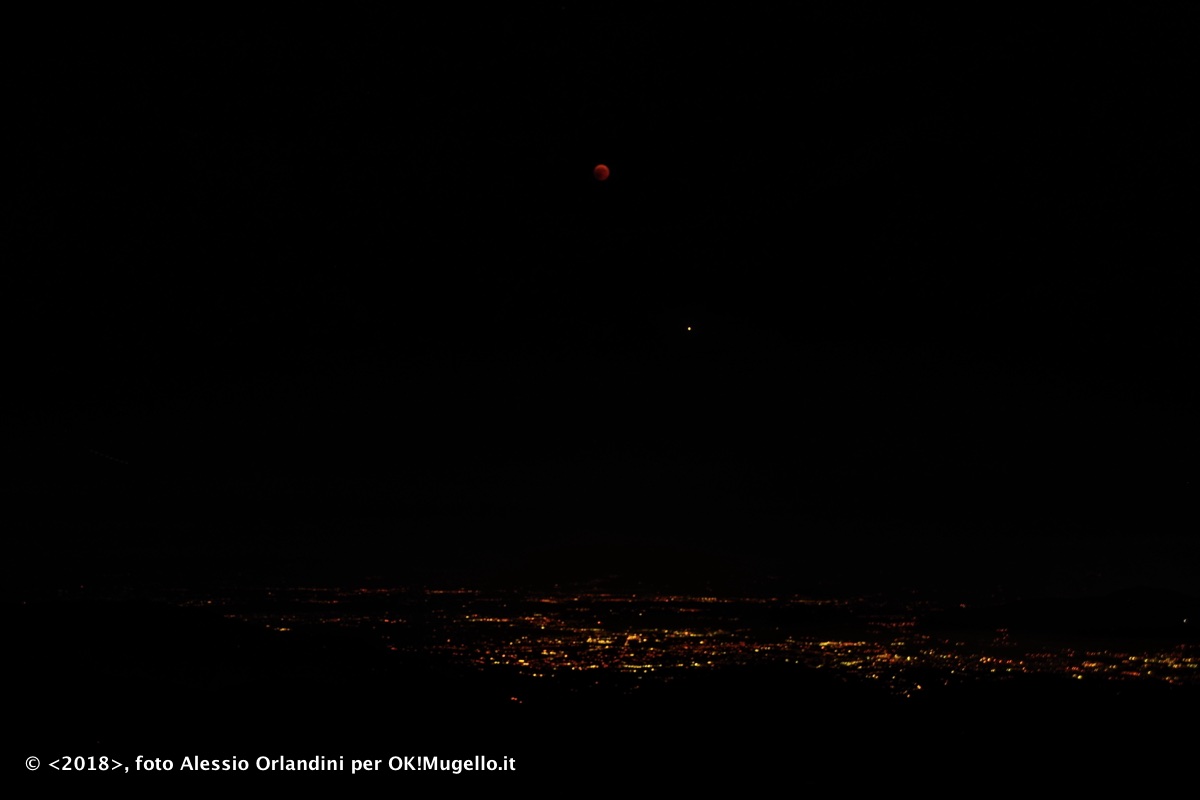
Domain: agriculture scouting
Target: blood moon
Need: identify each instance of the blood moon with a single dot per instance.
(600, 172)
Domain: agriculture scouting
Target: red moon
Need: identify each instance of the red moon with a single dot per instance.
(601, 172)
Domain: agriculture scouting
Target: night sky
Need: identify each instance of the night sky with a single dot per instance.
(872, 304)
(870, 299)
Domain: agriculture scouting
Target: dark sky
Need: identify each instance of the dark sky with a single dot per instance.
(353, 274)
